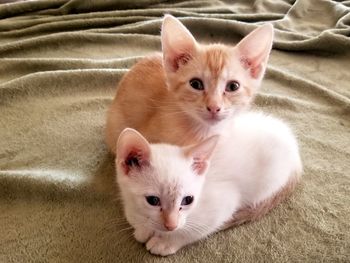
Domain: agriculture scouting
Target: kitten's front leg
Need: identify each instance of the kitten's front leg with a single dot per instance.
(163, 245)
(169, 243)
(143, 234)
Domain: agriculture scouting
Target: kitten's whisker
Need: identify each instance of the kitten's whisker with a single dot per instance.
(195, 229)
(125, 229)
(199, 227)
(124, 238)
(170, 114)
(112, 224)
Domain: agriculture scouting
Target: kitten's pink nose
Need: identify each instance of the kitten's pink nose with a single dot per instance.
(170, 219)
(170, 226)
(213, 109)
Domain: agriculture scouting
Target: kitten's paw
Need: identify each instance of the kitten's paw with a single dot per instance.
(160, 246)
(142, 235)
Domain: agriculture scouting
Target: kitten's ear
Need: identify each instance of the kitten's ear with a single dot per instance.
(255, 49)
(133, 150)
(178, 44)
(201, 154)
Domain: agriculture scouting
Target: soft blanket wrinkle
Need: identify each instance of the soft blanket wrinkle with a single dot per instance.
(60, 62)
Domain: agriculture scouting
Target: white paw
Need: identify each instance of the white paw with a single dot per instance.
(161, 246)
(142, 234)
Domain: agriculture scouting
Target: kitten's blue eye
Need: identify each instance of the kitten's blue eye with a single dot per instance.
(153, 200)
(197, 84)
(187, 200)
(232, 86)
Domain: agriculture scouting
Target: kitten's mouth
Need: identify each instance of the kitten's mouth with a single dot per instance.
(165, 230)
(213, 119)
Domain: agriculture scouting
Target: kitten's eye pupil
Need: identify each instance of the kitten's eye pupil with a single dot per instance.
(187, 200)
(153, 200)
(232, 86)
(197, 84)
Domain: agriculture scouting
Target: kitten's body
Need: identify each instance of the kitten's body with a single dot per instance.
(254, 166)
(144, 103)
(157, 96)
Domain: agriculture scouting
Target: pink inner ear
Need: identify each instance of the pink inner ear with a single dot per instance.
(125, 167)
(199, 166)
(254, 67)
(131, 160)
(179, 60)
(134, 160)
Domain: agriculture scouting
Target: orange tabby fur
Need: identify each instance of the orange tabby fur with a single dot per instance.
(155, 96)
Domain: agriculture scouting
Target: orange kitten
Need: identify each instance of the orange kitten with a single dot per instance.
(192, 90)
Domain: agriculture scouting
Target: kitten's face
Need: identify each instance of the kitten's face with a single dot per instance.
(212, 86)
(160, 184)
(163, 194)
(213, 82)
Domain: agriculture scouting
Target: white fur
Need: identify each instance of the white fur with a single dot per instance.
(253, 159)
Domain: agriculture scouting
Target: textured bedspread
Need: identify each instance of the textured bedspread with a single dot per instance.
(60, 62)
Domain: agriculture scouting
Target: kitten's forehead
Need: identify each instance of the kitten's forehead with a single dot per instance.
(171, 192)
(173, 169)
(216, 58)
(169, 160)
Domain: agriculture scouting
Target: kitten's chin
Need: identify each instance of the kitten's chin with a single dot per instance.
(169, 231)
(213, 121)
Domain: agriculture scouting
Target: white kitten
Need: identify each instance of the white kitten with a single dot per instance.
(174, 196)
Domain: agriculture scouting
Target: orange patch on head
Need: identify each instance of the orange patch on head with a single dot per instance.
(216, 58)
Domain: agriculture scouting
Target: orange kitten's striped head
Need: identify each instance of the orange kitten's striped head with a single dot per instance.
(212, 82)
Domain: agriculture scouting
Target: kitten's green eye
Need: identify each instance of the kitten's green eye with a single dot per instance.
(197, 84)
(153, 200)
(187, 200)
(232, 86)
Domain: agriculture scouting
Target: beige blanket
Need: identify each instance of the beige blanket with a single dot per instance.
(60, 62)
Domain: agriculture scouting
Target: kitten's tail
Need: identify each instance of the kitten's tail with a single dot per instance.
(253, 213)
